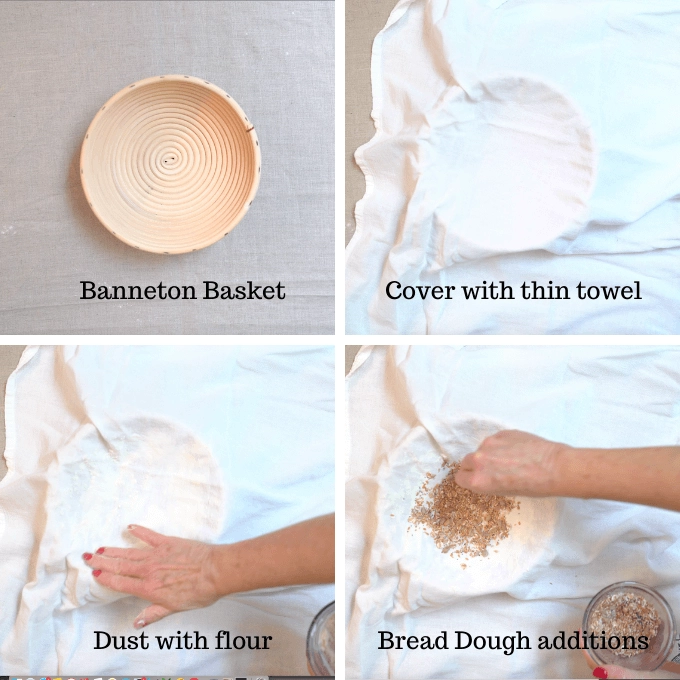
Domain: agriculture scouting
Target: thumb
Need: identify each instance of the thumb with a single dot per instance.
(464, 478)
(150, 615)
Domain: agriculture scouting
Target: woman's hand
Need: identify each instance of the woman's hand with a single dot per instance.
(172, 573)
(512, 463)
(612, 672)
(516, 463)
(175, 574)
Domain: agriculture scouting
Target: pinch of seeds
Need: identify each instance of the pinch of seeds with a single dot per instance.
(459, 521)
(625, 615)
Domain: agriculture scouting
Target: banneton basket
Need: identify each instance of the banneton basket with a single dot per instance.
(170, 164)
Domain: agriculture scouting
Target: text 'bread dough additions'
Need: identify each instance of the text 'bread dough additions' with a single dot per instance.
(460, 522)
(625, 615)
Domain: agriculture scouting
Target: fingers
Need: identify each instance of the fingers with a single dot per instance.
(135, 554)
(464, 478)
(473, 481)
(151, 614)
(124, 562)
(122, 567)
(616, 672)
(468, 475)
(607, 671)
(121, 584)
(468, 462)
(149, 537)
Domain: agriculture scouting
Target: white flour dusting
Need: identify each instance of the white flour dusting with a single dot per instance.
(143, 471)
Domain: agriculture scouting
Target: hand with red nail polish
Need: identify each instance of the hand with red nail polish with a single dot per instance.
(620, 672)
(611, 672)
(173, 573)
(176, 574)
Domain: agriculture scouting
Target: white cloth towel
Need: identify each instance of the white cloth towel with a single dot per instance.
(412, 570)
(504, 166)
(404, 404)
(507, 127)
(217, 444)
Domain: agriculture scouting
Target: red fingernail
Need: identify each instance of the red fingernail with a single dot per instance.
(100, 551)
(87, 556)
(97, 572)
(600, 672)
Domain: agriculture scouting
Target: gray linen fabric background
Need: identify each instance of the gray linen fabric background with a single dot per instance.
(363, 21)
(61, 61)
(9, 358)
(350, 353)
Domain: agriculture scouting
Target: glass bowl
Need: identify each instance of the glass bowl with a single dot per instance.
(660, 646)
(321, 643)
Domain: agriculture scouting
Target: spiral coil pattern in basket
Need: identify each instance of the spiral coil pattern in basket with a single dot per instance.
(170, 164)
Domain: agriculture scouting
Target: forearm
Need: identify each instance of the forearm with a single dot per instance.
(649, 476)
(299, 554)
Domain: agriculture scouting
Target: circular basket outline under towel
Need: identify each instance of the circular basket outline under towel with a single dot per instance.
(404, 558)
(176, 175)
(511, 166)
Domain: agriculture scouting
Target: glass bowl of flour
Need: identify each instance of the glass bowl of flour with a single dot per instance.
(321, 643)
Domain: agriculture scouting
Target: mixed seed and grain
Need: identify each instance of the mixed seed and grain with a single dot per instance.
(625, 615)
(462, 523)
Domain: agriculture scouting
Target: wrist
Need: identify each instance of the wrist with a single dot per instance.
(582, 473)
(564, 457)
(232, 569)
(225, 571)
(213, 571)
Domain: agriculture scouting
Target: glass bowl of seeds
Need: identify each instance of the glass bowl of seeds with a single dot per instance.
(321, 643)
(622, 613)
